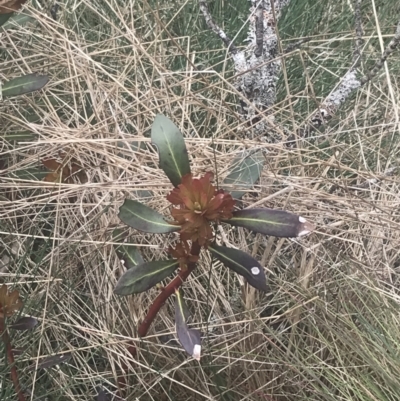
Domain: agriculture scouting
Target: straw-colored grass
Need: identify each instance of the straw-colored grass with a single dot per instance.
(329, 328)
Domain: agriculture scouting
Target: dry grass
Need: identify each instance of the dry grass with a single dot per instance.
(328, 330)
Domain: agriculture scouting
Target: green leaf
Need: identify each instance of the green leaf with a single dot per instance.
(25, 84)
(18, 20)
(143, 218)
(241, 263)
(245, 173)
(128, 254)
(189, 338)
(4, 18)
(171, 147)
(20, 136)
(142, 277)
(31, 174)
(271, 222)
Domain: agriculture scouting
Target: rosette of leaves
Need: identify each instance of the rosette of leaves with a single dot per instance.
(196, 205)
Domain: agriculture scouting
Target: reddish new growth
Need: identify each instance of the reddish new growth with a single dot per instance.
(182, 252)
(199, 203)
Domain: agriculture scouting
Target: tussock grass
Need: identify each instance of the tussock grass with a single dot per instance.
(329, 328)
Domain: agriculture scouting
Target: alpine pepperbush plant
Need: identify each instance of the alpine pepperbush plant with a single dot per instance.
(196, 206)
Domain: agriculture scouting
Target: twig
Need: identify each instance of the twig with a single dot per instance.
(372, 181)
(216, 28)
(391, 47)
(259, 30)
(359, 33)
(296, 45)
(10, 357)
(339, 95)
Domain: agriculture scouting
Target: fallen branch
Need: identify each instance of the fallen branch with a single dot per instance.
(391, 47)
(257, 67)
(340, 94)
(359, 33)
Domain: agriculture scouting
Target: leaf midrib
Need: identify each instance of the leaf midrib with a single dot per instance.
(152, 221)
(172, 152)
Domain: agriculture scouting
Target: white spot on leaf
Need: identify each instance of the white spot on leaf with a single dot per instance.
(302, 219)
(255, 270)
(197, 352)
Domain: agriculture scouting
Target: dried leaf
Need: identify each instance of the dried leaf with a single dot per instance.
(51, 164)
(9, 6)
(61, 172)
(10, 302)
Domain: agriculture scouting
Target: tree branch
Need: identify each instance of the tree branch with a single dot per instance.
(296, 45)
(359, 33)
(216, 28)
(339, 95)
(391, 47)
(257, 67)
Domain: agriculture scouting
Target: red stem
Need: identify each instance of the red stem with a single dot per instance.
(10, 358)
(167, 292)
(155, 308)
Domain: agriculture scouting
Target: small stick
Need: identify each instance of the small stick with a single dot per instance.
(10, 357)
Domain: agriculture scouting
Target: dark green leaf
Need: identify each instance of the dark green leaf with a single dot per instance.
(189, 338)
(171, 147)
(4, 18)
(25, 323)
(18, 20)
(52, 361)
(271, 222)
(128, 254)
(31, 174)
(143, 218)
(25, 84)
(241, 263)
(142, 277)
(244, 174)
(20, 136)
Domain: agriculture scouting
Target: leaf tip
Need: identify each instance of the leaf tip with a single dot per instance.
(197, 352)
(306, 227)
